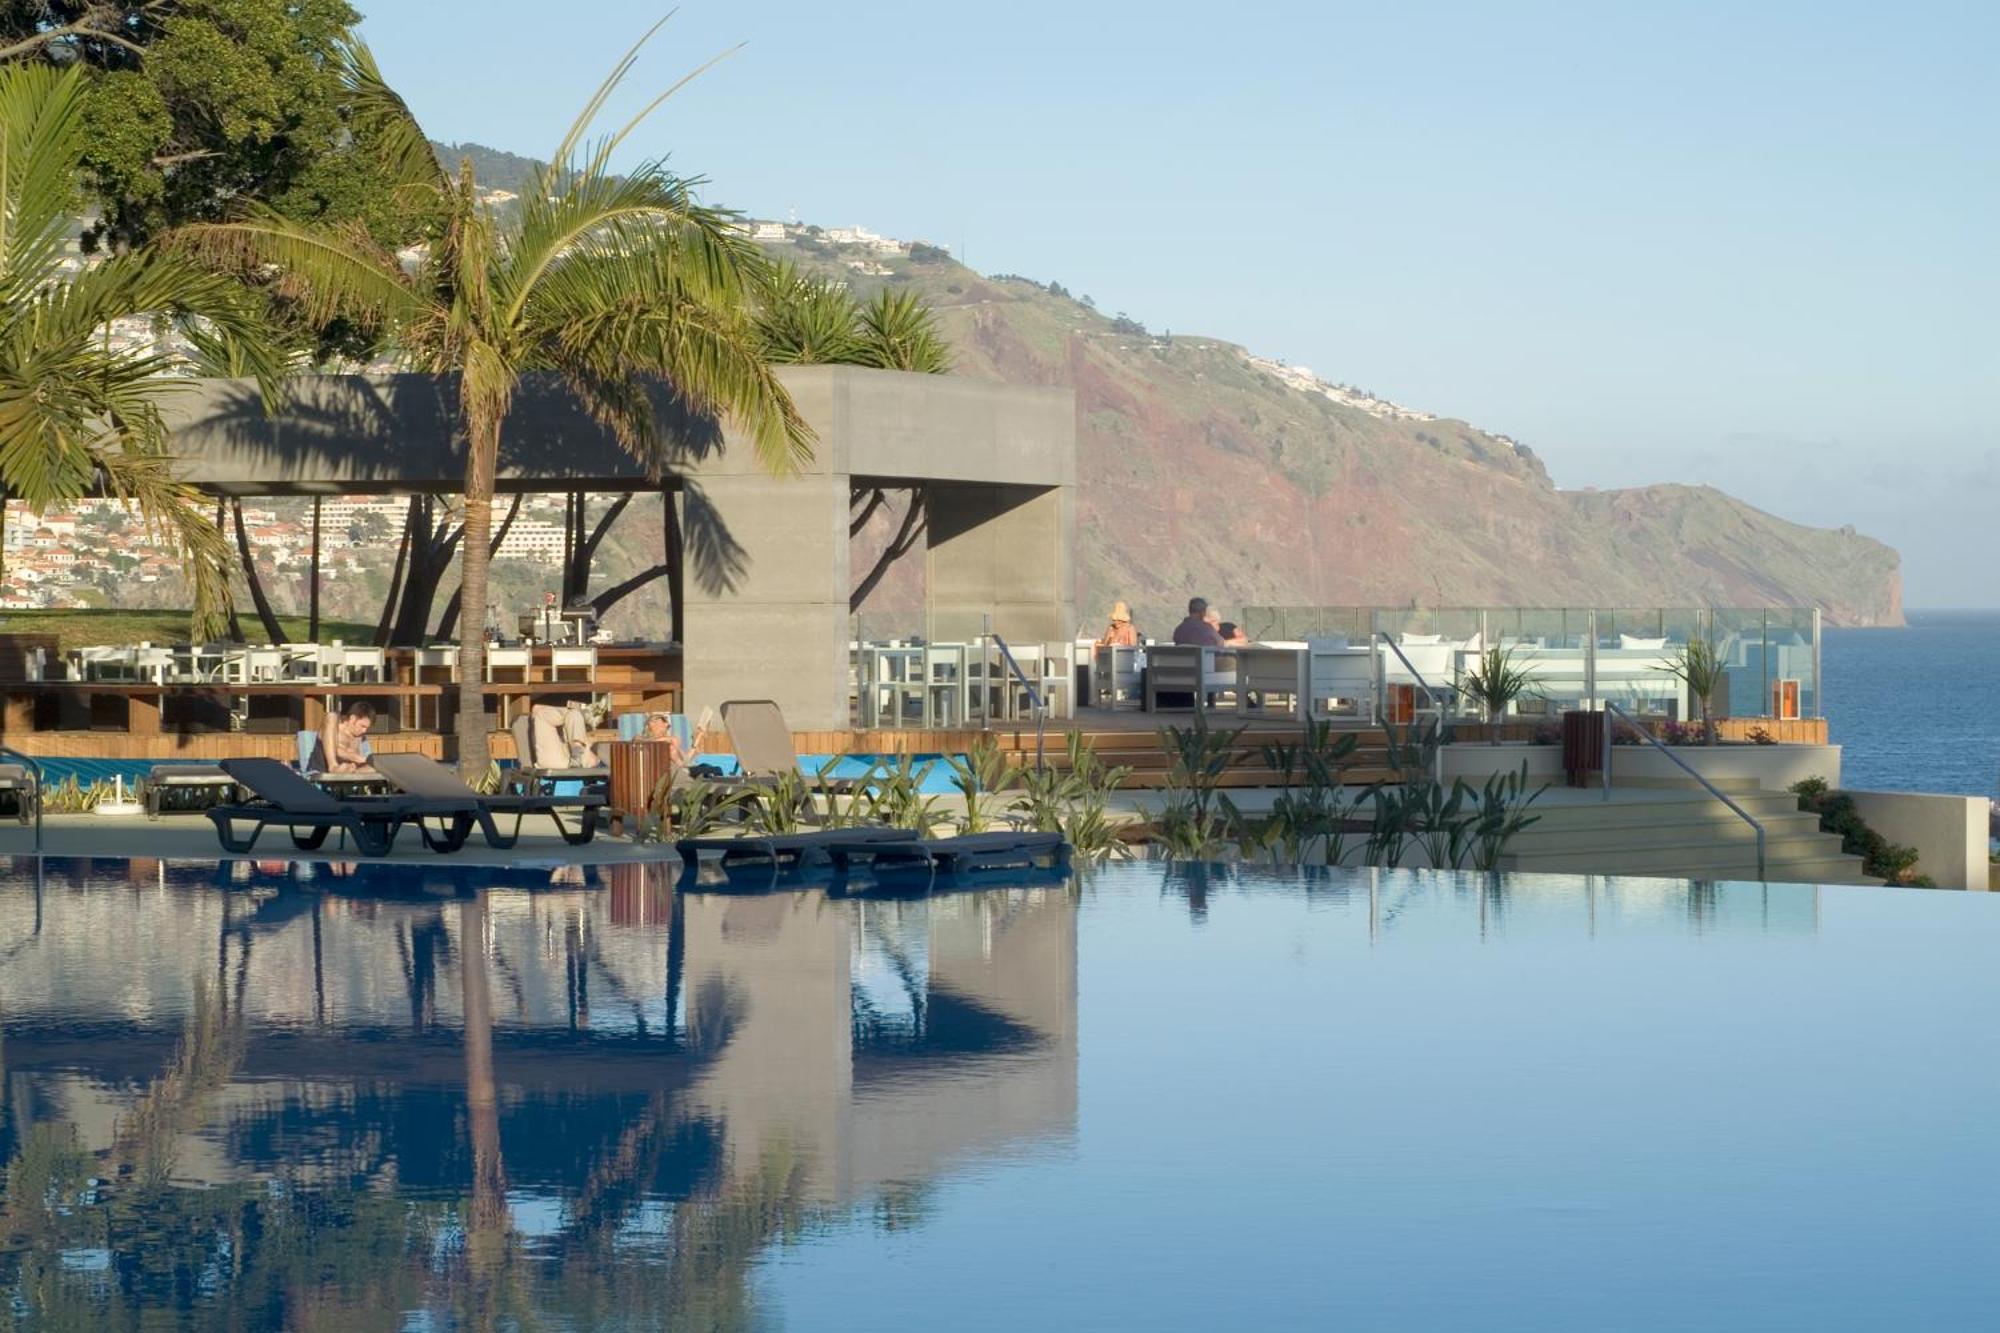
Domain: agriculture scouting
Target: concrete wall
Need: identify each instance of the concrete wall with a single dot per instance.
(768, 619)
(1003, 551)
(1768, 767)
(1949, 833)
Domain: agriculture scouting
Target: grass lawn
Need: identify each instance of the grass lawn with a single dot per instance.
(81, 628)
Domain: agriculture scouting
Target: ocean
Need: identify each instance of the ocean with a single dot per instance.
(1918, 708)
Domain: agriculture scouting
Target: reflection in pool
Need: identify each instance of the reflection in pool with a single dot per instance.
(1159, 1097)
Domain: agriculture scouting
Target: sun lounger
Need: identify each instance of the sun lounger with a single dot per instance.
(973, 853)
(167, 786)
(288, 800)
(18, 781)
(429, 780)
(784, 851)
(528, 776)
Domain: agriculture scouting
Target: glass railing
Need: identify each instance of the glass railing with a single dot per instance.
(1579, 657)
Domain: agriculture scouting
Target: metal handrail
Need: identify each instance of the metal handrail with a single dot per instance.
(1614, 711)
(35, 767)
(1034, 697)
(1425, 685)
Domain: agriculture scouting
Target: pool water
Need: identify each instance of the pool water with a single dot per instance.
(1154, 1097)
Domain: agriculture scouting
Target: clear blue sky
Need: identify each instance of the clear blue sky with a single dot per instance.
(1661, 242)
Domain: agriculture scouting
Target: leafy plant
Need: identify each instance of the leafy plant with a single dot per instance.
(895, 796)
(71, 797)
(981, 772)
(1502, 812)
(1495, 684)
(780, 805)
(1074, 801)
(1891, 862)
(1195, 819)
(1311, 806)
(1699, 665)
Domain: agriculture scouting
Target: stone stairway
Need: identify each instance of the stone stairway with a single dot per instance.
(1672, 833)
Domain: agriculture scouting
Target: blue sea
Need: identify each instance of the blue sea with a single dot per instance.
(1917, 708)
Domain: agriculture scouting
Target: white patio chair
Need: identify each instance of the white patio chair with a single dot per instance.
(947, 700)
(573, 663)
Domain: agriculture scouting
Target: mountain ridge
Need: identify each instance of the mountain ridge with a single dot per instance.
(1205, 469)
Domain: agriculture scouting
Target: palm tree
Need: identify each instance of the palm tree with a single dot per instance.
(619, 284)
(899, 332)
(76, 414)
(805, 320)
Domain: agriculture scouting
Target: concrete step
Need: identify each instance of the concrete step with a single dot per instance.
(1690, 852)
(1587, 814)
(1801, 860)
(1541, 837)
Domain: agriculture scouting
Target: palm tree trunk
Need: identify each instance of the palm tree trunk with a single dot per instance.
(475, 560)
(269, 618)
(487, 1224)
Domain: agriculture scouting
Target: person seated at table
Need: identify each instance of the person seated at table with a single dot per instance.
(1120, 633)
(1233, 635)
(1196, 630)
(343, 746)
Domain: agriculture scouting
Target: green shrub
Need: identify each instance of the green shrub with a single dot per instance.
(1890, 862)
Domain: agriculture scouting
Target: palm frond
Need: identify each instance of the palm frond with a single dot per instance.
(329, 271)
(382, 116)
(560, 160)
(41, 143)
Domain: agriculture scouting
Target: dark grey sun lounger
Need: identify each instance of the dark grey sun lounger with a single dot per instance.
(784, 851)
(974, 853)
(429, 780)
(288, 800)
(18, 780)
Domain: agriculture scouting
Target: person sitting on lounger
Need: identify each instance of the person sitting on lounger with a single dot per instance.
(1196, 631)
(343, 746)
(1120, 633)
(660, 727)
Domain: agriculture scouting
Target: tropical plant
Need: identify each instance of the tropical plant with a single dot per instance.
(1502, 812)
(76, 414)
(978, 774)
(804, 319)
(1495, 684)
(1699, 665)
(617, 284)
(895, 795)
(1074, 800)
(900, 332)
(1311, 808)
(779, 806)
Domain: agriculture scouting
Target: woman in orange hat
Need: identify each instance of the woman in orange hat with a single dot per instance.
(1120, 633)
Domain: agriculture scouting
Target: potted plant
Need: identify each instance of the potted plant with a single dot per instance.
(1495, 684)
(1699, 666)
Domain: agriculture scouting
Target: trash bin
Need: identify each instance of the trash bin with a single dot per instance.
(1583, 746)
(636, 770)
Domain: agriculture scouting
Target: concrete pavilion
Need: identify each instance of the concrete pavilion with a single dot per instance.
(766, 568)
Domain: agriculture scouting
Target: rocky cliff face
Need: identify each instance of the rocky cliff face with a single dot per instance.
(1204, 470)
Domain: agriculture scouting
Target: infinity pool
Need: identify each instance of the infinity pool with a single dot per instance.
(1155, 1098)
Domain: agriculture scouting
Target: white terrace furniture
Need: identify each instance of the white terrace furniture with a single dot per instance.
(1341, 681)
(1183, 669)
(573, 663)
(1271, 681)
(1117, 676)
